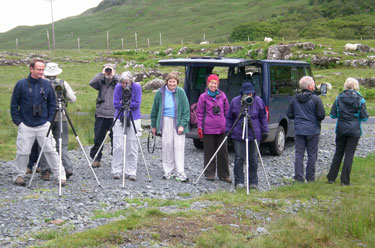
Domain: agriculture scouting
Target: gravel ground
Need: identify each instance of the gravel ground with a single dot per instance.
(25, 211)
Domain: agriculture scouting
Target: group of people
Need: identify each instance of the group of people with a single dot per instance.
(33, 109)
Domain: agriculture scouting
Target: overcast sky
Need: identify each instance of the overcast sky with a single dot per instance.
(14, 13)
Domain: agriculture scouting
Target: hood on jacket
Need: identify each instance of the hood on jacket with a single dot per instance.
(304, 96)
(350, 98)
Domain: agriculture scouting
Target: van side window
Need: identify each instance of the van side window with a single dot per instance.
(284, 80)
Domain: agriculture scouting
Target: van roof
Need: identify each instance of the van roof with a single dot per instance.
(221, 61)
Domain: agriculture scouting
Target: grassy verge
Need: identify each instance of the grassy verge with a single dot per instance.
(300, 215)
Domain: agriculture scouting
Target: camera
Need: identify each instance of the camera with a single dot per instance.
(99, 100)
(59, 89)
(126, 95)
(37, 110)
(216, 110)
(246, 100)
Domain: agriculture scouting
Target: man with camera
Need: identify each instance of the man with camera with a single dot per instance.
(257, 131)
(63, 92)
(127, 97)
(307, 110)
(104, 82)
(33, 105)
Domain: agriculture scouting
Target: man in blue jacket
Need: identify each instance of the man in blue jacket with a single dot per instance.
(307, 111)
(32, 108)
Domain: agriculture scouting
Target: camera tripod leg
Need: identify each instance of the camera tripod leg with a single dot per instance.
(264, 170)
(140, 146)
(124, 146)
(81, 146)
(41, 151)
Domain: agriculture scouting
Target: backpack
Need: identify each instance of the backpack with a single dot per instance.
(193, 115)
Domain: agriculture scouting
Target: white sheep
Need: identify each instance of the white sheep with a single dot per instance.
(267, 39)
(206, 42)
(351, 47)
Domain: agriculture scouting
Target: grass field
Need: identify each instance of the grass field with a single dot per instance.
(301, 215)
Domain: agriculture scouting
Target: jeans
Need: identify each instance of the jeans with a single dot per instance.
(240, 157)
(344, 145)
(302, 143)
(102, 126)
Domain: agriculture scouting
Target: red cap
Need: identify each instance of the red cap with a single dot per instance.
(212, 77)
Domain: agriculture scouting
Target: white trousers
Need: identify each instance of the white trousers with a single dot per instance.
(173, 149)
(25, 140)
(131, 158)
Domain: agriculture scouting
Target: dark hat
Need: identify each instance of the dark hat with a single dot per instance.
(247, 88)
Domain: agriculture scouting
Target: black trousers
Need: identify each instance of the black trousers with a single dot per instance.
(102, 125)
(211, 142)
(345, 145)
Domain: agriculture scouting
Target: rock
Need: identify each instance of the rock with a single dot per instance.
(367, 82)
(324, 60)
(304, 45)
(168, 51)
(279, 52)
(154, 84)
(363, 48)
(224, 50)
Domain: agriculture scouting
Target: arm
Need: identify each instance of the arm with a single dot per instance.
(95, 81)
(290, 111)
(226, 104)
(155, 109)
(263, 117)
(185, 114)
(333, 113)
(319, 110)
(200, 111)
(14, 105)
(136, 100)
(117, 97)
(363, 114)
(70, 94)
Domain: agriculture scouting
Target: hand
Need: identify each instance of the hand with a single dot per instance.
(153, 130)
(264, 136)
(180, 130)
(200, 133)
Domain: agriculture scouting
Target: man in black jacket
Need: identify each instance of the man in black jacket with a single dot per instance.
(307, 111)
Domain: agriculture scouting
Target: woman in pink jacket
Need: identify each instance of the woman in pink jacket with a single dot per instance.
(211, 111)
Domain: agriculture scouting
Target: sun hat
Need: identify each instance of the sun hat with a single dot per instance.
(52, 69)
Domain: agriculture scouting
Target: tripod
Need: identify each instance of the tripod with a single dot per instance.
(126, 114)
(245, 115)
(60, 110)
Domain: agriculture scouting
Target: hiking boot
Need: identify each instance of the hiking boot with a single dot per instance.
(168, 176)
(20, 181)
(28, 171)
(331, 182)
(96, 164)
(225, 179)
(182, 178)
(131, 177)
(116, 176)
(45, 175)
(210, 178)
(63, 183)
(239, 186)
(253, 186)
(69, 174)
(346, 184)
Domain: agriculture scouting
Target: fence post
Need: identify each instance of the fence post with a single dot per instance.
(49, 47)
(79, 46)
(136, 40)
(17, 45)
(148, 42)
(204, 36)
(160, 38)
(107, 40)
(182, 42)
(122, 43)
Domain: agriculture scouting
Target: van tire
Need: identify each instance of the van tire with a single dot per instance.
(278, 145)
(198, 143)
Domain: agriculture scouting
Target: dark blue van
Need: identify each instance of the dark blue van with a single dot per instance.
(275, 81)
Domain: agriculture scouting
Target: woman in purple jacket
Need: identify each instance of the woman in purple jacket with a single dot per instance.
(258, 115)
(126, 80)
(211, 110)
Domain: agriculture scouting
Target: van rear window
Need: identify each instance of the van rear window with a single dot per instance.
(284, 79)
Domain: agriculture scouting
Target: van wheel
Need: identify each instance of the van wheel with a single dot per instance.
(198, 143)
(278, 145)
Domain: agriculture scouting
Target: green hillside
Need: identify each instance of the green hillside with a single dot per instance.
(189, 21)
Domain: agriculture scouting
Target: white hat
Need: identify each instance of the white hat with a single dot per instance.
(52, 69)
